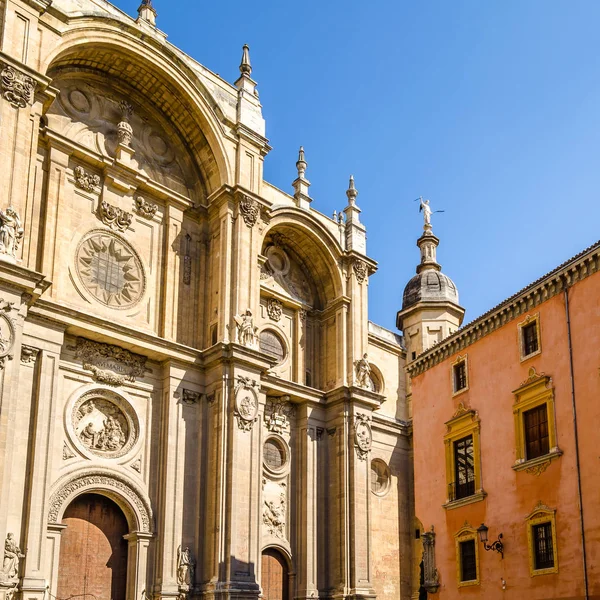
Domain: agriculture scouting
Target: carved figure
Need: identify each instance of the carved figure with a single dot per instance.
(426, 210)
(246, 329)
(11, 231)
(186, 566)
(101, 426)
(363, 372)
(274, 517)
(12, 555)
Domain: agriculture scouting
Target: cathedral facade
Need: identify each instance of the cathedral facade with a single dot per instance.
(193, 402)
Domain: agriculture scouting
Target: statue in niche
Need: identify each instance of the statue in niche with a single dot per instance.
(363, 372)
(11, 231)
(185, 567)
(246, 329)
(12, 556)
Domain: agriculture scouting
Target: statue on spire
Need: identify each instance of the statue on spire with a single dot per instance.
(426, 210)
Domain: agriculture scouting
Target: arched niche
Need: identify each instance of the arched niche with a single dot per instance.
(301, 283)
(157, 76)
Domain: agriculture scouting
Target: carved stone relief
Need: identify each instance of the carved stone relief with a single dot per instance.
(275, 507)
(11, 233)
(274, 309)
(110, 364)
(114, 217)
(104, 424)
(144, 208)
(286, 276)
(92, 116)
(186, 566)
(430, 572)
(190, 397)
(363, 437)
(67, 452)
(137, 464)
(17, 87)
(29, 354)
(86, 181)
(360, 270)
(187, 259)
(249, 209)
(110, 270)
(7, 333)
(246, 402)
(278, 412)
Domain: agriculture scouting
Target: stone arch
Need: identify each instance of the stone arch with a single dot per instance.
(313, 246)
(283, 550)
(160, 76)
(127, 495)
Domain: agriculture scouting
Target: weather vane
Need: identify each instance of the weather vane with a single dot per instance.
(425, 208)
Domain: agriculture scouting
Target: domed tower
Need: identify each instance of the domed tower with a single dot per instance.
(430, 308)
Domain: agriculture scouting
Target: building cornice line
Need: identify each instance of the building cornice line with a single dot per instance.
(570, 272)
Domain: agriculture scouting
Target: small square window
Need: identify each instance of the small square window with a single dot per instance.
(468, 561)
(543, 546)
(460, 376)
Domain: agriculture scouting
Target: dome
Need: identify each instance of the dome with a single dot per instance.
(429, 286)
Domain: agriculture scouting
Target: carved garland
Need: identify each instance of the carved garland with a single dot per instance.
(17, 87)
(86, 181)
(97, 480)
(114, 217)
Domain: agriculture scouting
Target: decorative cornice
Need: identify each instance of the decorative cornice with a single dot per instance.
(574, 270)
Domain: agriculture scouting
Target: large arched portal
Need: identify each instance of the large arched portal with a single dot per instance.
(274, 575)
(93, 552)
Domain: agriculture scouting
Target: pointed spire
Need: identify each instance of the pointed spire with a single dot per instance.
(245, 66)
(301, 184)
(147, 12)
(352, 192)
(301, 164)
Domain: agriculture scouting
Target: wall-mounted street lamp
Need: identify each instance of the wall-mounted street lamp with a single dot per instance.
(497, 545)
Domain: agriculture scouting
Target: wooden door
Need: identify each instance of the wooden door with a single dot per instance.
(93, 553)
(274, 575)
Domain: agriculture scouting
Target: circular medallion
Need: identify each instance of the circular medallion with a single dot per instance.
(110, 269)
(104, 424)
(7, 336)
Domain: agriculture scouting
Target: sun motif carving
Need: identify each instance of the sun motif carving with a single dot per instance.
(110, 270)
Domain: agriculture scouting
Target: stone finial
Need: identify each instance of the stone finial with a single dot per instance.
(301, 164)
(352, 192)
(301, 184)
(245, 66)
(147, 12)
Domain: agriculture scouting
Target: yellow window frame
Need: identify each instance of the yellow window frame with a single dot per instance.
(465, 534)
(463, 423)
(541, 514)
(459, 359)
(535, 391)
(528, 321)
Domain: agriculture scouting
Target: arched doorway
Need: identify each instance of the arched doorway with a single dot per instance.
(274, 575)
(93, 553)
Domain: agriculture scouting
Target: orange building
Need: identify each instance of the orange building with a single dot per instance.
(506, 412)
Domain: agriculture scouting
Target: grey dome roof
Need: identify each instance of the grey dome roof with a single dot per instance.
(429, 286)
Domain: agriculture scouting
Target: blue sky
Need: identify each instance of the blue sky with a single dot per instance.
(489, 109)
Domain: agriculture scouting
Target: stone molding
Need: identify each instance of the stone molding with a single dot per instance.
(137, 506)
